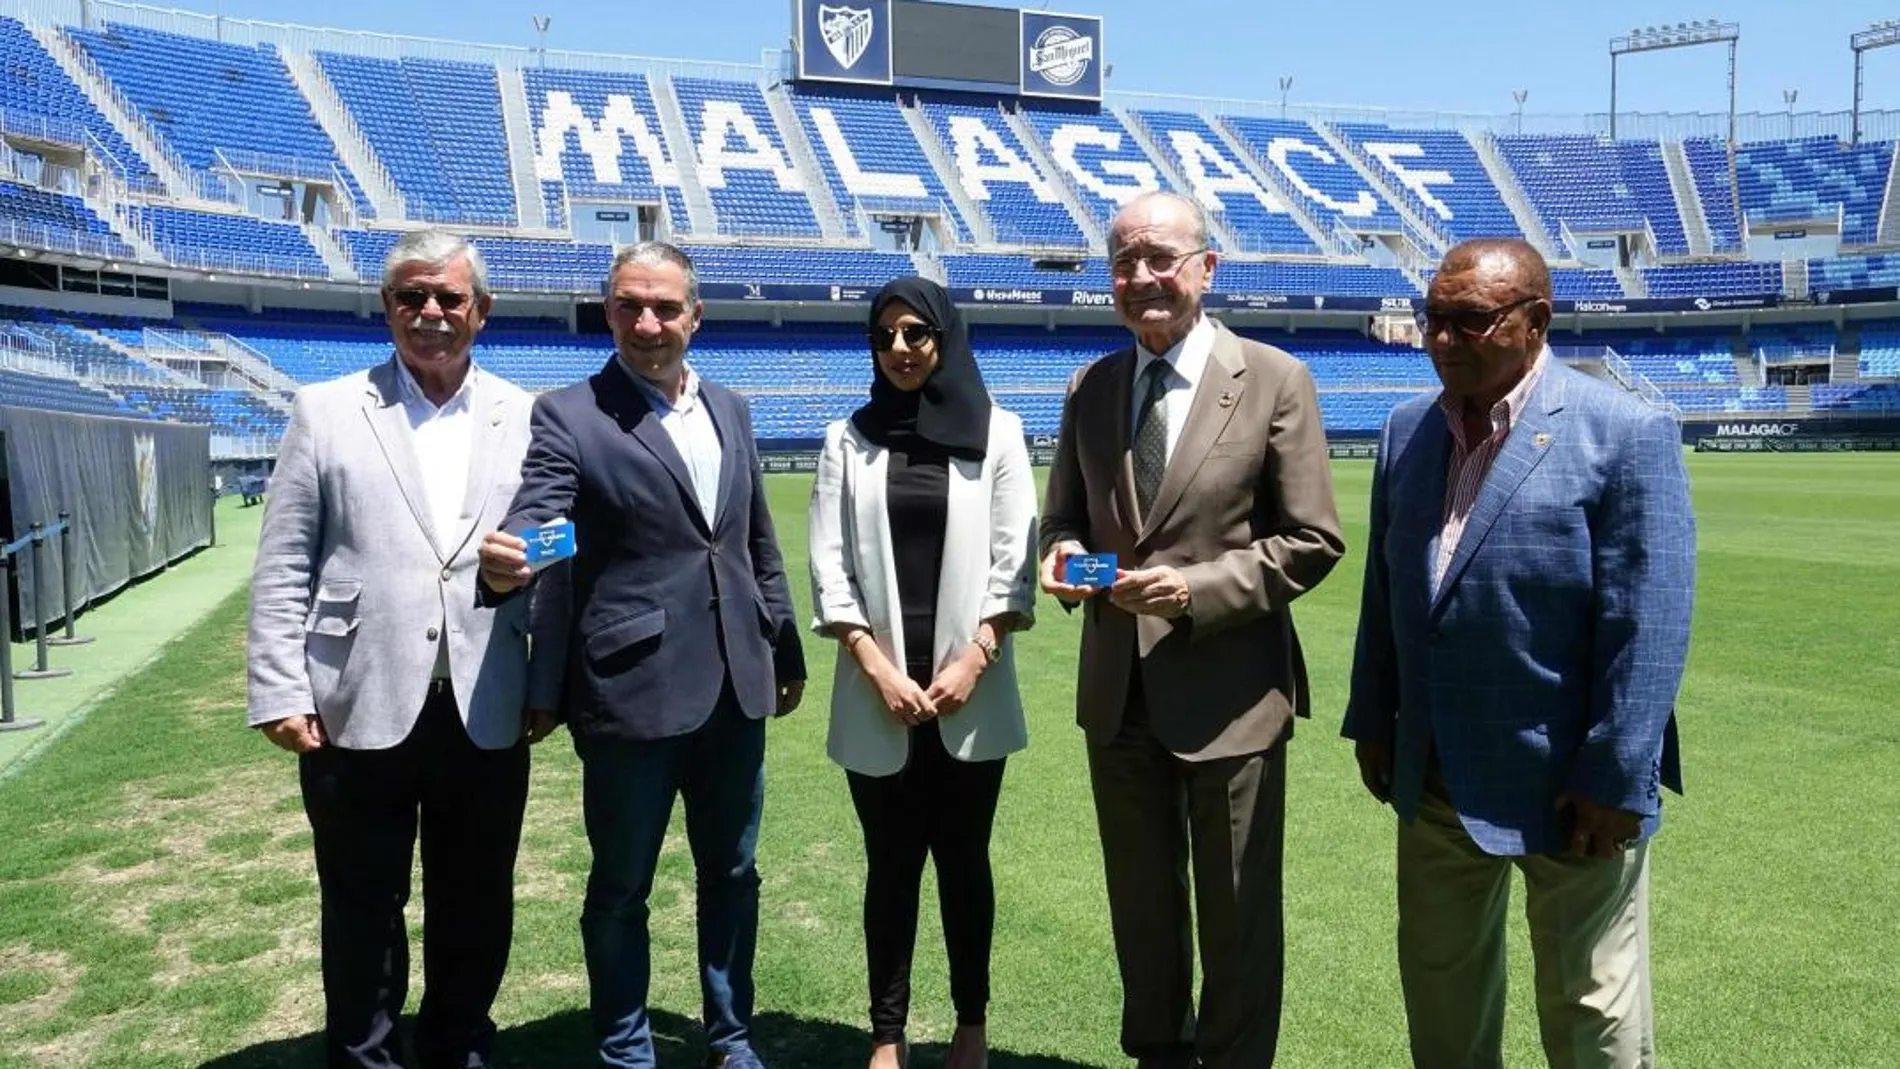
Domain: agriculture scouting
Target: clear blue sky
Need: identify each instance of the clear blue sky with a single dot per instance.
(1446, 56)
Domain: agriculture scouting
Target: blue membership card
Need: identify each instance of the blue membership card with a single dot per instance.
(1090, 569)
(550, 542)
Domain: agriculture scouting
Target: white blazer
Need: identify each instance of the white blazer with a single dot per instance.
(988, 569)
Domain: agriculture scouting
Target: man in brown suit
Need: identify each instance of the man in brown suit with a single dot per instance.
(1197, 458)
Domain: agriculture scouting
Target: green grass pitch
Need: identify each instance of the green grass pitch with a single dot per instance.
(157, 907)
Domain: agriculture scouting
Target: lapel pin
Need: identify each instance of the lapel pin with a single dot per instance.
(1226, 399)
(1541, 440)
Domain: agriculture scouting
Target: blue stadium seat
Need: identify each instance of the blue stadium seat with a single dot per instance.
(1103, 160)
(1440, 174)
(869, 153)
(1814, 178)
(749, 175)
(437, 127)
(31, 82)
(219, 242)
(1597, 185)
(1708, 161)
(1330, 188)
(1256, 215)
(66, 222)
(1000, 175)
(598, 133)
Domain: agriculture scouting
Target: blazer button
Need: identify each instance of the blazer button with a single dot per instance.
(446, 575)
(434, 634)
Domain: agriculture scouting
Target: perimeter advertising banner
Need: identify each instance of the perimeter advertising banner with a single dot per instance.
(1061, 56)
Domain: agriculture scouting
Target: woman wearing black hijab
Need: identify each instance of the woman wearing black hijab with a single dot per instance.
(923, 533)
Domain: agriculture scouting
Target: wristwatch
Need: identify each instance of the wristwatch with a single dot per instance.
(991, 651)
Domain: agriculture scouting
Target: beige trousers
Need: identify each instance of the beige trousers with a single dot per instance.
(1589, 933)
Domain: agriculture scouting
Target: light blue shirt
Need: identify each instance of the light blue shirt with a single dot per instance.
(690, 427)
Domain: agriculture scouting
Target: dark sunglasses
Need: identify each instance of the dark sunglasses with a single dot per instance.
(416, 300)
(915, 334)
(1475, 323)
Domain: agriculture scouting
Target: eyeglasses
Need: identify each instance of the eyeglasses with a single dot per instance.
(914, 334)
(415, 300)
(1160, 264)
(1474, 323)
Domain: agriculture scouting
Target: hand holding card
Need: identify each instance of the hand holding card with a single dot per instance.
(550, 542)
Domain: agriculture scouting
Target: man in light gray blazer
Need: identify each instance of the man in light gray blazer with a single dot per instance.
(370, 660)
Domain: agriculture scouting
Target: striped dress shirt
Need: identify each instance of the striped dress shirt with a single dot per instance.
(1471, 461)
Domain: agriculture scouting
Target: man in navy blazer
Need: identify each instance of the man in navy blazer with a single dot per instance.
(1524, 626)
(664, 643)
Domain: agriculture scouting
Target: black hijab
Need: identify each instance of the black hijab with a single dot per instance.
(952, 410)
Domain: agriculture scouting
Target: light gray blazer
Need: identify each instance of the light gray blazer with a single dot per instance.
(988, 570)
(350, 591)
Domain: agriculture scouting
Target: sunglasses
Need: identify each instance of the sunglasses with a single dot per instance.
(1475, 323)
(914, 334)
(1160, 264)
(415, 300)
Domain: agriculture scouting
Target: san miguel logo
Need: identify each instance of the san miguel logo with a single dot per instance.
(846, 31)
(1061, 56)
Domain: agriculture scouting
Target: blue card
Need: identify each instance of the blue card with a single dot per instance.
(1089, 569)
(549, 542)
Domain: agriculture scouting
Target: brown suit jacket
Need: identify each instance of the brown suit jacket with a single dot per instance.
(1245, 511)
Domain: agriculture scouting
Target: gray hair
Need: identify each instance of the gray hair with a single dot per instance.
(653, 254)
(1197, 215)
(435, 248)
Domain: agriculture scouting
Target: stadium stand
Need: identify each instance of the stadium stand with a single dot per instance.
(1816, 178)
(1440, 174)
(437, 127)
(743, 160)
(1257, 216)
(1713, 279)
(213, 100)
(1329, 187)
(32, 84)
(1094, 149)
(229, 242)
(598, 135)
(1708, 162)
(25, 390)
(1880, 350)
(1000, 175)
(871, 157)
(68, 222)
(1597, 186)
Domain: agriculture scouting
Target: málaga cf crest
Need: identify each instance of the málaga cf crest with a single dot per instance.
(847, 32)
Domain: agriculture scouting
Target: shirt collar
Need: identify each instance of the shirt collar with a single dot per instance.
(1505, 412)
(411, 391)
(689, 388)
(1187, 356)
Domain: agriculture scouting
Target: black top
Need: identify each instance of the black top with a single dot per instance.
(917, 500)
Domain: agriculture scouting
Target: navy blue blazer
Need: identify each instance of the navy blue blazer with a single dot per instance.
(1548, 659)
(638, 633)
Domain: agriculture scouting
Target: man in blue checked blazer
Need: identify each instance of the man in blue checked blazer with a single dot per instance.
(1524, 625)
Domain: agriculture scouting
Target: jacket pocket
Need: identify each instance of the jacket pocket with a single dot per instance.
(334, 612)
(625, 633)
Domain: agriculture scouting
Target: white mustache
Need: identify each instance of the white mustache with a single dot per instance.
(431, 326)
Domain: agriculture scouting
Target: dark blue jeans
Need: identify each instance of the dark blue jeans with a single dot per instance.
(627, 799)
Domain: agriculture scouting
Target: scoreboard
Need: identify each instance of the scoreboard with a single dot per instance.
(915, 44)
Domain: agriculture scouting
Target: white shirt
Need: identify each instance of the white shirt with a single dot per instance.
(690, 426)
(1188, 358)
(444, 440)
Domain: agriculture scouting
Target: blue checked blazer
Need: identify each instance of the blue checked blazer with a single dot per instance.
(1549, 657)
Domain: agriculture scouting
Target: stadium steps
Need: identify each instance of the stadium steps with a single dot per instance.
(177, 176)
(1889, 229)
(140, 357)
(817, 190)
(699, 206)
(1846, 367)
(1382, 186)
(1505, 180)
(1747, 370)
(1632, 281)
(1800, 399)
(334, 255)
(1217, 228)
(140, 242)
(351, 146)
(530, 209)
(929, 266)
(1271, 178)
(1794, 278)
(982, 231)
(1091, 227)
(1695, 222)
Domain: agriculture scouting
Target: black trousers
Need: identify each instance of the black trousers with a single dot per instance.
(365, 808)
(941, 808)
